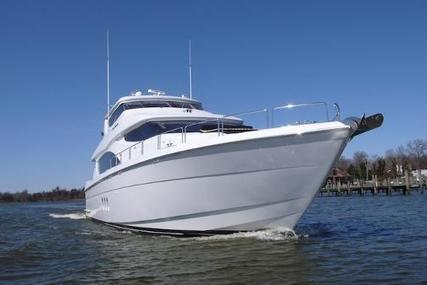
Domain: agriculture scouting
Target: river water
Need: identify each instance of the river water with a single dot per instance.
(339, 240)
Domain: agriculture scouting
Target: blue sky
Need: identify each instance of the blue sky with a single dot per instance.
(369, 56)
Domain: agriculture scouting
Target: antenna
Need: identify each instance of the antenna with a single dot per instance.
(108, 72)
(189, 69)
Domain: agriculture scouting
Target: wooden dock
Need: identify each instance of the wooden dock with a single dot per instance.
(348, 190)
(403, 185)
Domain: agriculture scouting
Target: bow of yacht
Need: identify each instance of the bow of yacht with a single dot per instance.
(165, 165)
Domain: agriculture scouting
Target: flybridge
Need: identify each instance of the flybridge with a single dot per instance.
(140, 100)
(155, 99)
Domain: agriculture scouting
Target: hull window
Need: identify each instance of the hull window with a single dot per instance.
(107, 161)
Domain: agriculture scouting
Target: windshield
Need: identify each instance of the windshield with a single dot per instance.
(151, 104)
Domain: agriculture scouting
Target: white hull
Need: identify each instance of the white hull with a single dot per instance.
(236, 186)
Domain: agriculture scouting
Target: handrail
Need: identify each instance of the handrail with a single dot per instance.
(170, 131)
(129, 147)
(227, 116)
(265, 110)
(198, 123)
(337, 111)
(220, 123)
(220, 120)
(247, 113)
(291, 106)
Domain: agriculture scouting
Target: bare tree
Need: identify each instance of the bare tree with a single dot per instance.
(378, 165)
(391, 163)
(416, 150)
(360, 160)
(402, 159)
(343, 163)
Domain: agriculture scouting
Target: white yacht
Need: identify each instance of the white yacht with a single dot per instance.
(167, 166)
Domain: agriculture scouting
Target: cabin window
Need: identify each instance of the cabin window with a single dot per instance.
(107, 161)
(197, 106)
(151, 129)
(176, 104)
(154, 104)
(151, 104)
(116, 114)
(134, 105)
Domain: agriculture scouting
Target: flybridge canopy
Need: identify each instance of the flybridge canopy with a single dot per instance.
(161, 98)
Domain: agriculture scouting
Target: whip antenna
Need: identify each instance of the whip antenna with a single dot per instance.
(108, 72)
(189, 69)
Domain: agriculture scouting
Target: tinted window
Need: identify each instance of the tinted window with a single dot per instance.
(150, 104)
(196, 106)
(133, 105)
(152, 129)
(176, 104)
(116, 114)
(107, 161)
(153, 104)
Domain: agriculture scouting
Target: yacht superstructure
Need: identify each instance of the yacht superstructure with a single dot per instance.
(165, 165)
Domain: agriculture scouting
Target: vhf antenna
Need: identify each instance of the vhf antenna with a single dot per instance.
(108, 73)
(189, 69)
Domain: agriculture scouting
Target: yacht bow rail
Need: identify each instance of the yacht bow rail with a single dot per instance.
(219, 121)
(293, 106)
(270, 122)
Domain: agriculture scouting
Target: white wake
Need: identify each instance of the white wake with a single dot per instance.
(72, 216)
(275, 234)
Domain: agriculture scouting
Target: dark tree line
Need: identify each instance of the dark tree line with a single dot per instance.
(393, 164)
(56, 194)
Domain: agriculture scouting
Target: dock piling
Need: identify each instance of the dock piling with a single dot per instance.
(407, 189)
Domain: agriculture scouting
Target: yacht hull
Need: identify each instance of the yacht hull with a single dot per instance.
(236, 186)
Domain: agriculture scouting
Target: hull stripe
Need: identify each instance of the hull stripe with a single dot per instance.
(204, 176)
(208, 213)
(155, 231)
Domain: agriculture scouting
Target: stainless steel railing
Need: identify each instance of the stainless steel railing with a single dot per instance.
(293, 106)
(220, 121)
(337, 112)
(270, 122)
(159, 137)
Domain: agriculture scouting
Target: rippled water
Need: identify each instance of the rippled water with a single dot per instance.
(340, 240)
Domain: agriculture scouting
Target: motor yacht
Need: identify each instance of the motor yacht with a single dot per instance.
(167, 166)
